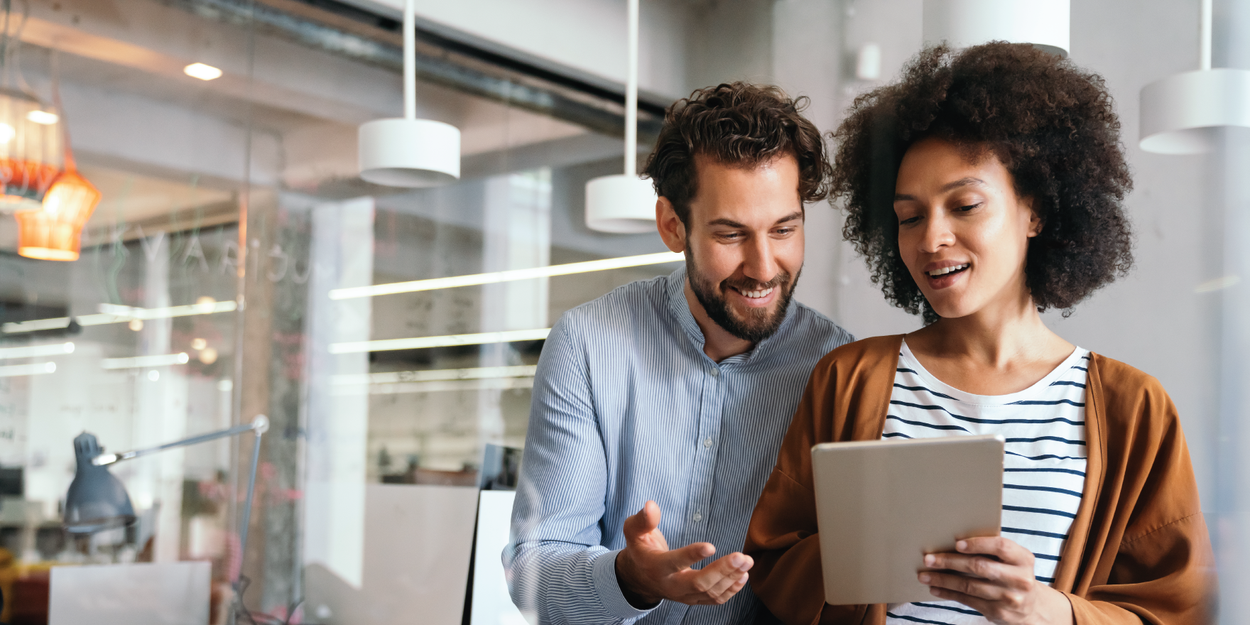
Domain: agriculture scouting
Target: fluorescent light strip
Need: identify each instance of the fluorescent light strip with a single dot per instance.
(138, 362)
(506, 276)
(12, 371)
(437, 386)
(474, 373)
(449, 340)
(119, 314)
(34, 351)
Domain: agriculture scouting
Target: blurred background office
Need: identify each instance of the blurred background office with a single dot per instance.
(236, 263)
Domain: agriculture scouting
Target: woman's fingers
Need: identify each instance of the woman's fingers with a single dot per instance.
(965, 585)
(1006, 550)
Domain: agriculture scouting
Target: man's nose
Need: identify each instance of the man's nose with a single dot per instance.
(760, 264)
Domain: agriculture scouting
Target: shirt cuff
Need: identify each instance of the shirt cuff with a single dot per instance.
(603, 572)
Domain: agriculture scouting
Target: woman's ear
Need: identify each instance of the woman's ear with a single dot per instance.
(670, 226)
(1036, 223)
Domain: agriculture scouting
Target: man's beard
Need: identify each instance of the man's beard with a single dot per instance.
(759, 323)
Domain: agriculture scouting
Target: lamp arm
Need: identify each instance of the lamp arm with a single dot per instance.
(259, 425)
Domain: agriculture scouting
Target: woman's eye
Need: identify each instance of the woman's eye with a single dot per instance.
(908, 221)
(969, 207)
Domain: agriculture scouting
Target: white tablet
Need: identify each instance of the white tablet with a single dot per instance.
(882, 505)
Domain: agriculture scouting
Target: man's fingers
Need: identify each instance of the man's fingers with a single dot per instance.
(732, 564)
(642, 522)
(724, 582)
(679, 559)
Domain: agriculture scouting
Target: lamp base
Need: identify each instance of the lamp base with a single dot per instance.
(409, 152)
(1182, 114)
(620, 204)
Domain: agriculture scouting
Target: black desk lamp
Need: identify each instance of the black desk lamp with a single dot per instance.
(97, 501)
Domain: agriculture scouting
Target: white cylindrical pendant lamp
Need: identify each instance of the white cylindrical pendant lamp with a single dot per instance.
(963, 23)
(409, 152)
(620, 204)
(1181, 114)
(624, 203)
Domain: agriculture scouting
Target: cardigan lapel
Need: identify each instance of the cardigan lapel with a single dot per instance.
(1070, 559)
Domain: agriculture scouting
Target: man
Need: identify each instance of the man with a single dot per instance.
(658, 409)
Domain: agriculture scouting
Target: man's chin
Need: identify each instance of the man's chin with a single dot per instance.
(756, 319)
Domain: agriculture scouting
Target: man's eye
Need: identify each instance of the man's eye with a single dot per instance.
(731, 236)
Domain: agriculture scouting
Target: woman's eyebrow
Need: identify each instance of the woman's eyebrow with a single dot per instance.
(962, 182)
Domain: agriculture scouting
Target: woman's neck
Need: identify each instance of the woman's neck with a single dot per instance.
(992, 352)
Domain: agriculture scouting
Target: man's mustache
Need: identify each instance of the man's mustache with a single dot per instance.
(756, 285)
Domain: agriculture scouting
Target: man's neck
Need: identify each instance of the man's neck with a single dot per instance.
(718, 343)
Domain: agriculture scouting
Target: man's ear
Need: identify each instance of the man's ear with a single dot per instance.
(671, 229)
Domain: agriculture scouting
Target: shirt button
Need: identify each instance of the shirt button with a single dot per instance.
(707, 442)
(715, 372)
(698, 516)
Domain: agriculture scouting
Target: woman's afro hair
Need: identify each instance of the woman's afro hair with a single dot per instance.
(1051, 124)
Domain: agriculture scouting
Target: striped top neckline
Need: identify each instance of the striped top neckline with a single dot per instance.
(913, 364)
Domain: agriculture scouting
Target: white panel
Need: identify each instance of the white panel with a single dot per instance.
(491, 603)
(130, 594)
(416, 560)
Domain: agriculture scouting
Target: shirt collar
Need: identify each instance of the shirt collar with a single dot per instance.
(681, 312)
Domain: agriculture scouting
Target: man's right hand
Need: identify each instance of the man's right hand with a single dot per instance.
(648, 571)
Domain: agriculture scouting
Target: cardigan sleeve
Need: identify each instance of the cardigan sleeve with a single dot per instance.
(782, 537)
(1163, 568)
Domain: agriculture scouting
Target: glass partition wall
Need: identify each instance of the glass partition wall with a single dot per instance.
(231, 269)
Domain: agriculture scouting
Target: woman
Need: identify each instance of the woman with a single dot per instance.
(985, 187)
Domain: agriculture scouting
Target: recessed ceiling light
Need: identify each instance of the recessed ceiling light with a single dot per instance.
(42, 117)
(202, 71)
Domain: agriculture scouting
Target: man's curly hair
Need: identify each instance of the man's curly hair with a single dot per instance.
(1051, 124)
(737, 124)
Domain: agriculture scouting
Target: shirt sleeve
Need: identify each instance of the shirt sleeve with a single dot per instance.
(556, 566)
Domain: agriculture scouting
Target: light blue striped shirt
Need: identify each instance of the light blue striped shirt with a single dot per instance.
(626, 408)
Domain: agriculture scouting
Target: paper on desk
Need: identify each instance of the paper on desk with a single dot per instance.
(130, 594)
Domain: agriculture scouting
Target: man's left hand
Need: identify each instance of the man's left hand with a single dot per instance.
(994, 576)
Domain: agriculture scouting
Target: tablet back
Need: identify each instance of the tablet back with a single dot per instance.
(882, 505)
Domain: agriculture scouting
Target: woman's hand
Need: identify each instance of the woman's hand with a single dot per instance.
(994, 576)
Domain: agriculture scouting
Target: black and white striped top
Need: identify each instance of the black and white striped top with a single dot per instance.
(1044, 467)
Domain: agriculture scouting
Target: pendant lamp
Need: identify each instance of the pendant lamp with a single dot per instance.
(30, 138)
(1182, 114)
(409, 152)
(962, 23)
(624, 203)
(54, 232)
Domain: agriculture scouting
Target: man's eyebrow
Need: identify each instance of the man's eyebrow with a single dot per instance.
(962, 182)
(733, 224)
(790, 217)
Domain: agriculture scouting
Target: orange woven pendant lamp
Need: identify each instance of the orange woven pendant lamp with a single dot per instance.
(54, 232)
